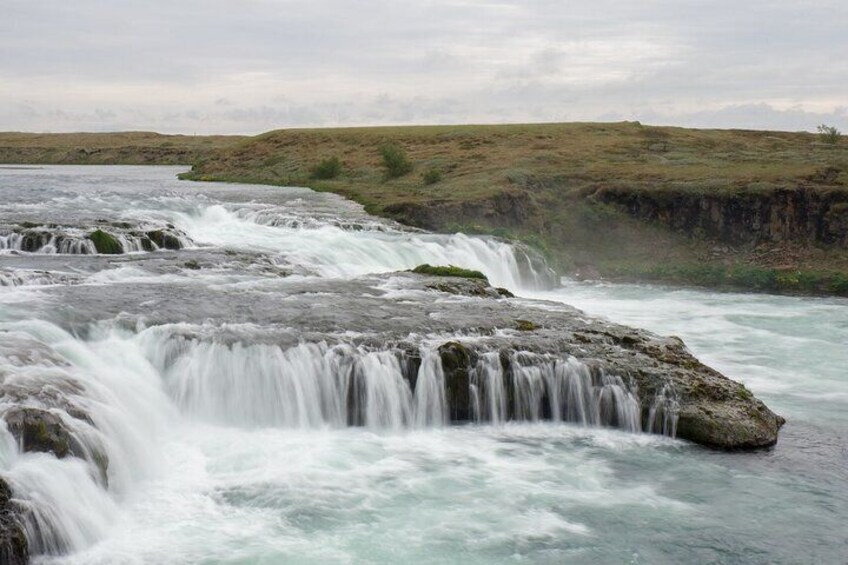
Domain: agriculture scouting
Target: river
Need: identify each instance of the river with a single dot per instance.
(217, 454)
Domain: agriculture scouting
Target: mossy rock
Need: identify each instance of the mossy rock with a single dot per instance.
(38, 430)
(105, 243)
(525, 325)
(457, 364)
(41, 431)
(164, 240)
(449, 271)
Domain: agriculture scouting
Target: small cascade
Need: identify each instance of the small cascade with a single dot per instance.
(47, 242)
(12, 241)
(284, 218)
(64, 245)
(332, 251)
(74, 431)
(531, 387)
(309, 385)
(663, 414)
(76, 241)
(11, 278)
(27, 277)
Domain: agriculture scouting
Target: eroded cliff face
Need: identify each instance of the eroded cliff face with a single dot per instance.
(805, 215)
(513, 209)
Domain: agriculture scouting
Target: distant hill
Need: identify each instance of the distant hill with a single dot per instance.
(125, 148)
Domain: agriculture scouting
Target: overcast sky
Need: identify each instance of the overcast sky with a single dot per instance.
(247, 66)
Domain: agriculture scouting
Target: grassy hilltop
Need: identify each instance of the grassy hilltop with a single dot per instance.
(722, 208)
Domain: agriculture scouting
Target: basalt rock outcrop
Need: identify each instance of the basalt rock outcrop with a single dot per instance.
(808, 214)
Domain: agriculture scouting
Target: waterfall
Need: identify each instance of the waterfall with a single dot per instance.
(332, 251)
(100, 400)
(561, 390)
(76, 241)
(662, 416)
(312, 385)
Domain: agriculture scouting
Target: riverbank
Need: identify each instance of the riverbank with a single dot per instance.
(750, 210)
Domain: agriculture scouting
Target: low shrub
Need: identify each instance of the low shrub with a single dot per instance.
(395, 161)
(329, 168)
(432, 176)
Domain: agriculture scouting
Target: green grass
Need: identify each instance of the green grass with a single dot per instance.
(449, 271)
(395, 161)
(431, 176)
(739, 277)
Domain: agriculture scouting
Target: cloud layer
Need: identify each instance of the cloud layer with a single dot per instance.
(218, 66)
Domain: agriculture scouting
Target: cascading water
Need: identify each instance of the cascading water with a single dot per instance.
(72, 241)
(251, 398)
(316, 384)
(332, 249)
(108, 396)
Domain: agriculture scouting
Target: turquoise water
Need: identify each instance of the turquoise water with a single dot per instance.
(185, 489)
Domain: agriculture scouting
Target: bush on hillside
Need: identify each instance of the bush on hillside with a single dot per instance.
(329, 168)
(829, 134)
(432, 176)
(395, 161)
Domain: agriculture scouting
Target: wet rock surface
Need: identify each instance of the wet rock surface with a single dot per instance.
(14, 549)
(40, 430)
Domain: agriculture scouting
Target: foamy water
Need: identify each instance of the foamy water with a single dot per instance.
(239, 453)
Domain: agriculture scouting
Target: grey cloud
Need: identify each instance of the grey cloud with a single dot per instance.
(225, 66)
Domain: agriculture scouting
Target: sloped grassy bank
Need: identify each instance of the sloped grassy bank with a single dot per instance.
(729, 209)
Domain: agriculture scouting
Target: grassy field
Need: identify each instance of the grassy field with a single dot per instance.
(621, 201)
(125, 148)
(543, 184)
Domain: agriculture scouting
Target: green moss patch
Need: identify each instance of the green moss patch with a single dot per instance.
(105, 243)
(524, 325)
(449, 271)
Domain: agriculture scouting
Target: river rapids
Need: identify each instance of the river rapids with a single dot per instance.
(249, 377)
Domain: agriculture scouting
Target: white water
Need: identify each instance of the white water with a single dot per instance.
(239, 452)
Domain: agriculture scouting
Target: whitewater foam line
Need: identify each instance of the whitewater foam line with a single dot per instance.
(335, 252)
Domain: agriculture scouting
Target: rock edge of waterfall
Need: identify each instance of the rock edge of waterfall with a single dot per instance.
(711, 409)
